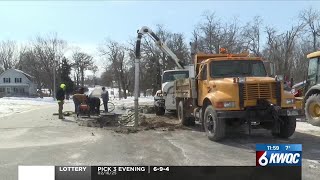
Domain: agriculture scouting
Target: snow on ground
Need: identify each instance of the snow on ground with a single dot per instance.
(118, 105)
(121, 106)
(306, 127)
(10, 105)
(129, 102)
(90, 89)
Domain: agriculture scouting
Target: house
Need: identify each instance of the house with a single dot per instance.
(14, 82)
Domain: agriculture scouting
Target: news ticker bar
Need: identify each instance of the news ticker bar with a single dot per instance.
(158, 172)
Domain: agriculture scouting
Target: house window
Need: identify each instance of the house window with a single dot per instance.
(1, 90)
(6, 80)
(17, 80)
(21, 90)
(15, 90)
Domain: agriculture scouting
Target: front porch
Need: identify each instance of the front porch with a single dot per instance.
(21, 90)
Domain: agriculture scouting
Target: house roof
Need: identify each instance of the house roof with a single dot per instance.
(27, 75)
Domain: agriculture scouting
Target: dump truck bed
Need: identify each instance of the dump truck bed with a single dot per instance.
(185, 88)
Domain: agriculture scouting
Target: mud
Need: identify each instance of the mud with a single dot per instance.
(125, 124)
(164, 123)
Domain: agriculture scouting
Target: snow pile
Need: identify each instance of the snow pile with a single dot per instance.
(113, 92)
(30, 100)
(10, 105)
(129, 102)
(306, 127)
(89, 91)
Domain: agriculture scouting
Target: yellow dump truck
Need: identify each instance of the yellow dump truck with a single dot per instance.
(232, 90)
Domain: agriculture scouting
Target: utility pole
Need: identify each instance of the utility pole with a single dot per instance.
(54, 79)
(136, 80)
(54, 74)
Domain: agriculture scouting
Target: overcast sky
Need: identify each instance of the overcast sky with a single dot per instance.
(86, 23)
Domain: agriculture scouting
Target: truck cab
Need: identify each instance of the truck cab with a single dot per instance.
(164, 99)
(311, 90)
(231, 90)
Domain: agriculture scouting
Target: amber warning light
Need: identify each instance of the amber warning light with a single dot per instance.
(223, 50)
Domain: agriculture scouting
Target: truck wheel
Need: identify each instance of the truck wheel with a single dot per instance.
(312, 110)
(201, 120)
(214, 127)
(187, 121)
(160, 111)
(287, 128)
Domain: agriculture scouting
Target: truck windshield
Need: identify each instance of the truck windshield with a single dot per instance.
(236, 68)
(312, 72)
(174, 75)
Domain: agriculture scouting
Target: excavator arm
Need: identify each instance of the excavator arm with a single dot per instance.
(163, 48)
(161, 45)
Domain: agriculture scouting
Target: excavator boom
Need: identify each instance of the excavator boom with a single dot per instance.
(163, 47)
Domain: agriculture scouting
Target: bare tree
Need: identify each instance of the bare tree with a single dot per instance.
(211, 34)
(49, 51)
(280, 48)
(42, 57)
(30, 64)
(8, 54)
(252, 35)
(82, 62)
(94, 70)
(116, 57)
(300, 64)
(311, 18)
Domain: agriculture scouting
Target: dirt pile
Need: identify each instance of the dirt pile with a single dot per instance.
(125, 123)
(169, 123)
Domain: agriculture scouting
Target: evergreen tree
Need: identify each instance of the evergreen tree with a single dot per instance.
(65, 76)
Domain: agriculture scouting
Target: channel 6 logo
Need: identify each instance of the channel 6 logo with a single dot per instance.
(278, 154)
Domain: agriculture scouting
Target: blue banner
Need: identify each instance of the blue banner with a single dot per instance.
(278, 155)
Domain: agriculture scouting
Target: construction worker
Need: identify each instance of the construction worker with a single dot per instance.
(60, 97)
(105, 98)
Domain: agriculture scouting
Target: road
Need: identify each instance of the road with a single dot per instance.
(39, 138)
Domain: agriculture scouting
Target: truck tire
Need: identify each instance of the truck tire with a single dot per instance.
(187, 121)
(215, 128)
(287, 128)
(312, 109)
(160, 111)
(201, 120)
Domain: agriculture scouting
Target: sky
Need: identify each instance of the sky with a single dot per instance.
(87, 23)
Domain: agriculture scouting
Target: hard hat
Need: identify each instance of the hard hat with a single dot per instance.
(63, 86)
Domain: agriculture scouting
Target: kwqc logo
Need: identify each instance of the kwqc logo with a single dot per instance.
(276, 158)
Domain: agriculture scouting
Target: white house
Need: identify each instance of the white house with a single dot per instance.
(14, 82)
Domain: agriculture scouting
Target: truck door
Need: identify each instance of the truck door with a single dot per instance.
(202, 84)
(312, 78)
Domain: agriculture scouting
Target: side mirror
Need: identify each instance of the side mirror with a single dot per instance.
(272, 69)
(279, 77)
